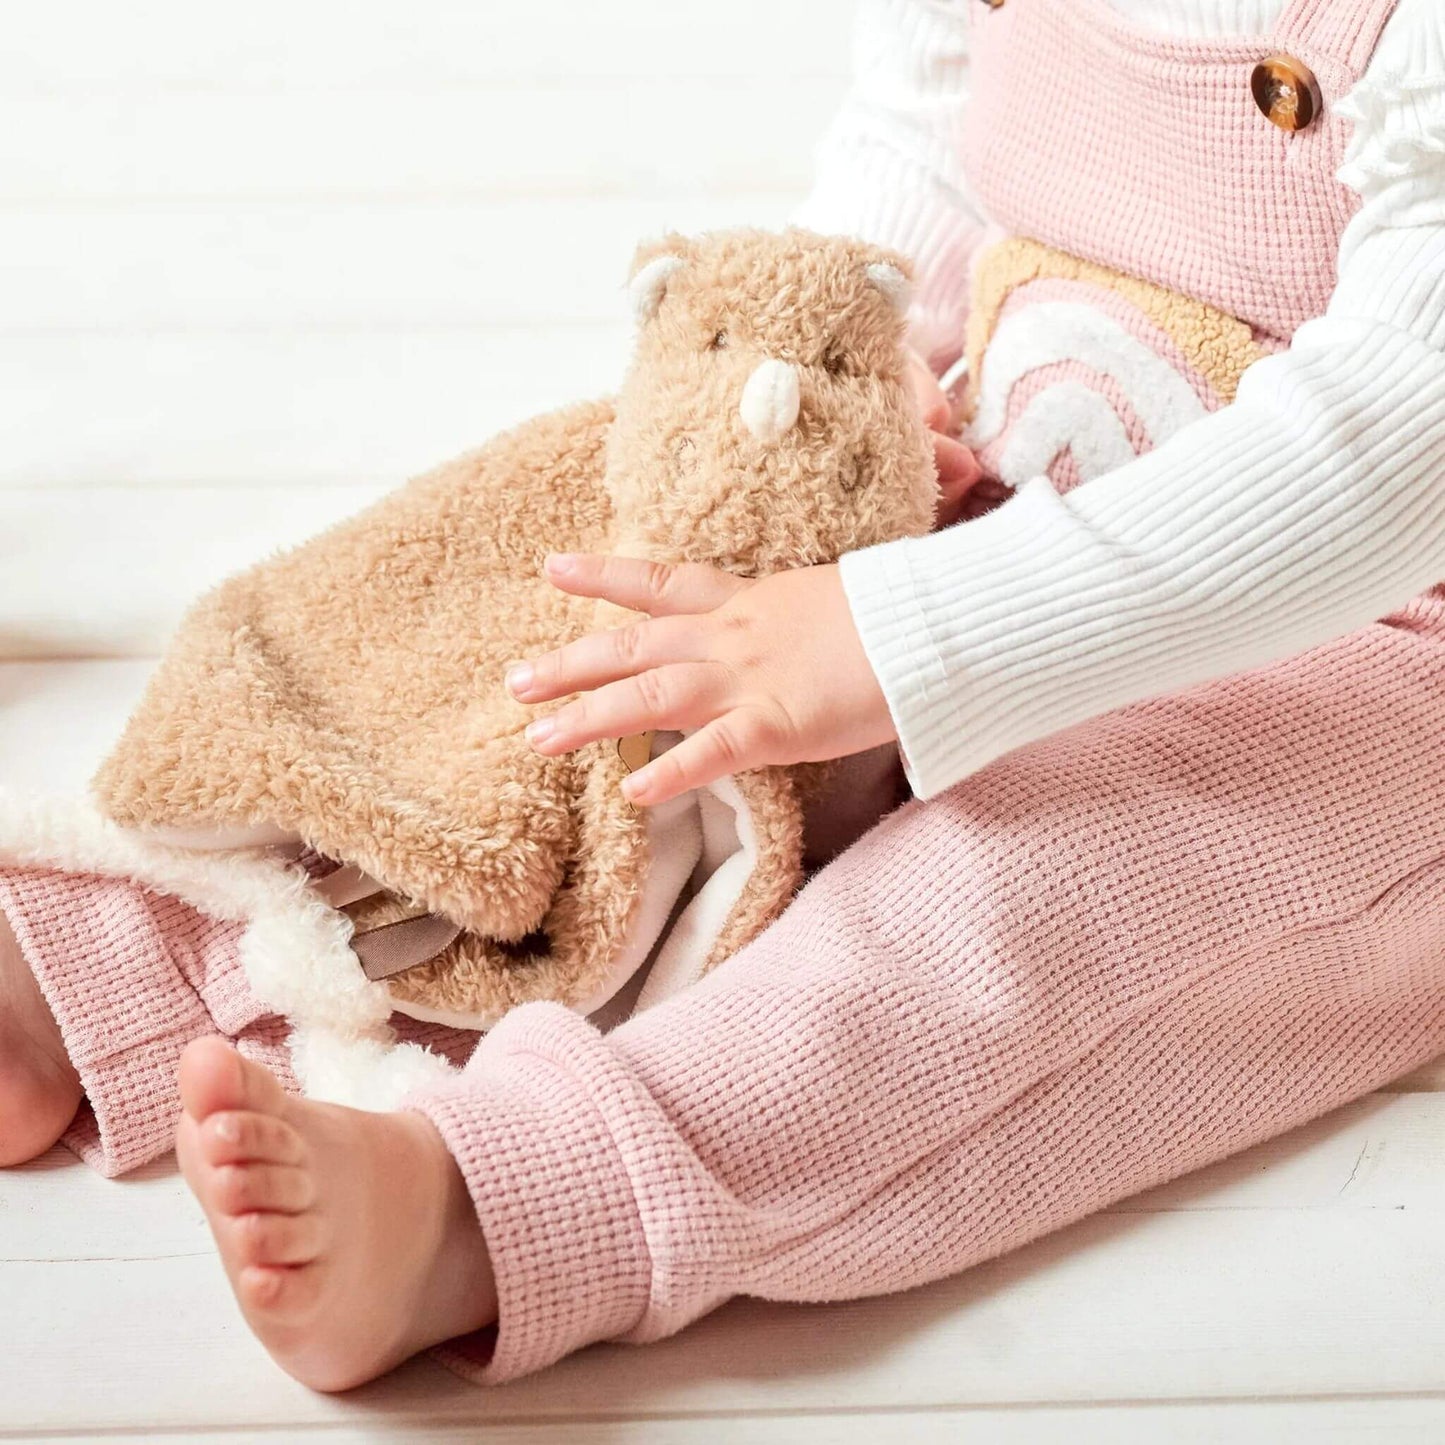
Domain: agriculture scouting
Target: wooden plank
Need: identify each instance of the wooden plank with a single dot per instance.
(84, 45)
(645, 137)
(363, 264)
(1383, 1152)
(1200, 1301)
(1252, 1422)
(58, 1211)
(279, 409)
(1175, 1306)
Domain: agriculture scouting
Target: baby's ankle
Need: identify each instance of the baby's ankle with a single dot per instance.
(23, 1001)
(462, 1297)
(39, 1087)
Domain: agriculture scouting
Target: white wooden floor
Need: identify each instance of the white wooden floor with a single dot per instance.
(257, 263)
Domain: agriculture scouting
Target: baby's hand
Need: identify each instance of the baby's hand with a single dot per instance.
(767, 670)
(958, 470)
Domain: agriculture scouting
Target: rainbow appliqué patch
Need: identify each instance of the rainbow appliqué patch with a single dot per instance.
(1075, 369)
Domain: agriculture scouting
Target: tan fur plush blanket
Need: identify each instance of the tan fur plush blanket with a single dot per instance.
(349, 693)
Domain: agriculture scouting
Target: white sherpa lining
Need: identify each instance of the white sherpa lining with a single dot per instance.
(728, 857)
(296, 948)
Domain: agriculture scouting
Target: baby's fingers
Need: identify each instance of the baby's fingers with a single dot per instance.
(652, 587)
(603, 657)
(685, 695)
(733, 743)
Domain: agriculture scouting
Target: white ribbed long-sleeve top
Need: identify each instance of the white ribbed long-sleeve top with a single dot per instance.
(1312, 505)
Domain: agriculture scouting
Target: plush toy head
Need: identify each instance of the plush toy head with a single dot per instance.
(766, 421)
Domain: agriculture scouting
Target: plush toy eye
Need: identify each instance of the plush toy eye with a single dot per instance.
(854, 470)
(719, 341)
(835, 360)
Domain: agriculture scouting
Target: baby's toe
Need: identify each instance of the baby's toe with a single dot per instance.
(242, 1138)
(214, 1078)
(261, 1189)
(277, 1291)
(270, 1239)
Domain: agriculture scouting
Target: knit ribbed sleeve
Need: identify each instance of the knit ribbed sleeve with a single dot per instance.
(1312, 505)
(888, 168)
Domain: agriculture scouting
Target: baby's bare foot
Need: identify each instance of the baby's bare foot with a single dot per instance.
(349, 1239)
(39, 1089)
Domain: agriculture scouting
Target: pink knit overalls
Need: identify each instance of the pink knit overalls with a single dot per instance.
(1153, 234)
(1105, 959)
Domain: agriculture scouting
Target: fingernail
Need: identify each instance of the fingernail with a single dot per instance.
(229, 1130)
(519, 677)
(541, 730)
(634, 786)
(561, 561)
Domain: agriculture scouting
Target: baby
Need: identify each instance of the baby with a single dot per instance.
(1172, 879)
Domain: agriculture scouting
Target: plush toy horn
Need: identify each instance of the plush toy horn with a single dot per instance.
(769, 404)
(892, 283)
(649, 286)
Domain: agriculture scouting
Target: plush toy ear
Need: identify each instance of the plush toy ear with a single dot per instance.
(894, 285)
(649, 285)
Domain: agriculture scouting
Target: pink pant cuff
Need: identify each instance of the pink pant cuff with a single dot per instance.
(527, 1123)
(97, 947)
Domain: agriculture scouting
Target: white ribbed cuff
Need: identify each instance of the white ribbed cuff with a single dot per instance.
(956, 706)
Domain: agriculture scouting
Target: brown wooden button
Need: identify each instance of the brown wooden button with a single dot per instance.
(1286, 91)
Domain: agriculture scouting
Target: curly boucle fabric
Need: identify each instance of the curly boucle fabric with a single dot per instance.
(350, 692)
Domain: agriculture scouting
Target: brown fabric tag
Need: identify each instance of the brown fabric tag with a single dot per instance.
(397, 946)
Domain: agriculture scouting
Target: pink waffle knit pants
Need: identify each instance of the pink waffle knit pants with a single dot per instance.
(1104, 960)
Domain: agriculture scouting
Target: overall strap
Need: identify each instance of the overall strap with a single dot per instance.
(1336, 38)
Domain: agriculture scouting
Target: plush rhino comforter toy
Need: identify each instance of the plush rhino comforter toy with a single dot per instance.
(347, 697)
